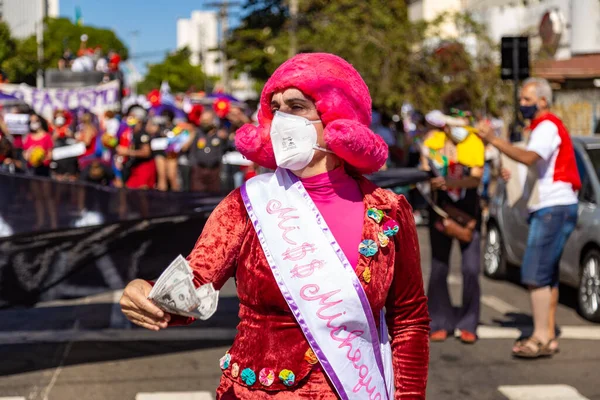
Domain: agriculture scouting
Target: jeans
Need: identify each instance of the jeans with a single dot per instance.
(549, 230)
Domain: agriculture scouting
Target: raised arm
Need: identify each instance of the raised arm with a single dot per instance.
(406, 312)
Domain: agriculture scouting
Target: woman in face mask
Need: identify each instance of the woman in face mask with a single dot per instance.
(38, 146)
(65, 169)
(456, 155)
(316, 249)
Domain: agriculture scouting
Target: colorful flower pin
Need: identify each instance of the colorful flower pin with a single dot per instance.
(287, 377)
(383, 239)
(266, 376)
(390, 228)
(248, 377)
(235, 370)
(375, 214)
(367, 275)
(367, 248)
(224, 361)
(310, 357)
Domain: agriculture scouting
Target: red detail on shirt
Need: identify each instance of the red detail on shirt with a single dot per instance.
(565, 169)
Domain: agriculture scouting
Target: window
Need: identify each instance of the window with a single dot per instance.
(587, 190)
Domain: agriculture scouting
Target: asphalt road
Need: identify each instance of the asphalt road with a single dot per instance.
(84, 349)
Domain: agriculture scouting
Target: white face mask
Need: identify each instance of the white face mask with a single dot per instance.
(294, 140)
(59, 121)
(35, 126)
(458, 133)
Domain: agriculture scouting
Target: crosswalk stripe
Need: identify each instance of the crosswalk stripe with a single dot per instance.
(174, 396)
(12, 398)
(541, 392)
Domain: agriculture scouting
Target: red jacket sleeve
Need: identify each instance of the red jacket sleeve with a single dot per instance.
(406, 311)
(215, 254)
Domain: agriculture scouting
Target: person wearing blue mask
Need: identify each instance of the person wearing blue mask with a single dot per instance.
(552, 218)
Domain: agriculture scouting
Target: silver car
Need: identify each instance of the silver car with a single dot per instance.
(507, 231)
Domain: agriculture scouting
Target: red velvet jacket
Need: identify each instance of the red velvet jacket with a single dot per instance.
(268, 335)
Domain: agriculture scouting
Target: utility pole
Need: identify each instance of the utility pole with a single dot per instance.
(223, 15)
(133, 45)
(293, 28)
(40, 43)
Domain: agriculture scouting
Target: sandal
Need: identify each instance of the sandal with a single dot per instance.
(552, 345)
(533, 348)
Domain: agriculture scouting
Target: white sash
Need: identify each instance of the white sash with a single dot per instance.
(320, 287)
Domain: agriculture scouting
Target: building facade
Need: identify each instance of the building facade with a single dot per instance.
(564, 44)
(429, 10)
(200, 33)
(23, 16)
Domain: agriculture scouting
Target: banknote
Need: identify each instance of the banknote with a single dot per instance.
(175, 292)
(175, 272)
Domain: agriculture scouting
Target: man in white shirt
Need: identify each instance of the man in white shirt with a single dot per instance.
(553, 219)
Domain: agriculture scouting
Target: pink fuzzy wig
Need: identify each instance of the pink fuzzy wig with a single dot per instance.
(343, 101)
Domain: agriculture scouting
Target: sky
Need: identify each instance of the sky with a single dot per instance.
(154, 20)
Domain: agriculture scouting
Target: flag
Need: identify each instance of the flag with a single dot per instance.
(78, 16)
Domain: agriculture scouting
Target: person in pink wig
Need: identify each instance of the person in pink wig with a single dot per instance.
(317, 252)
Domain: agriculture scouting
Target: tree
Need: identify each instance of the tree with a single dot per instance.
(175, 69)
(252, 44)
(60, 34)
(7, 43)
(401, 61)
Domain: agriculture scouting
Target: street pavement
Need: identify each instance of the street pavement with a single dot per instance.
(86, 350)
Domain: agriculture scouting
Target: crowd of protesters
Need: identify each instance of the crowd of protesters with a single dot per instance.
(140, 149)
(89, 59)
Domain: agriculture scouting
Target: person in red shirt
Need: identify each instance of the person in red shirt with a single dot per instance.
(38, 147)
(142, 169)
(65, 169)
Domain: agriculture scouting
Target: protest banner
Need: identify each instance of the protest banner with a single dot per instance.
(97, 99)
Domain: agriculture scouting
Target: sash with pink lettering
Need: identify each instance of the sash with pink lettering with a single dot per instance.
(320, 287)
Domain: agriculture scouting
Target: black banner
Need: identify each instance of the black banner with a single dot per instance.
(66, 240)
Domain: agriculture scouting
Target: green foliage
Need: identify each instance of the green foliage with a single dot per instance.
(400, 60)
(7, 43)
(175, 69)
(19, 57)
(22, 68)
(63, 34)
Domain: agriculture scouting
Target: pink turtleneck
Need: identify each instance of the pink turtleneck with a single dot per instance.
(340, 201)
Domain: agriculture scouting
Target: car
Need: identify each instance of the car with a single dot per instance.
(507, 230)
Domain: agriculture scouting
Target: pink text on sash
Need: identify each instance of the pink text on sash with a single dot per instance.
(310, 292)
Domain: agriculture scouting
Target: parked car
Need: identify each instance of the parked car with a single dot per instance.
(507, 230)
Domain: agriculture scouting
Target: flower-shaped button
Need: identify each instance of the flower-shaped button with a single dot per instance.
(287, 377)
(375, 214)
(248, 377)
(266, 376)
(367, 248)
(367, 275)
(390, 228)
(383, 239)
(224, 361)
(310, 357)
(235, 370)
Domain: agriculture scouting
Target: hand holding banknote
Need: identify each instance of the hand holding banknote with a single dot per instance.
(141, 311)
(173, 293)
